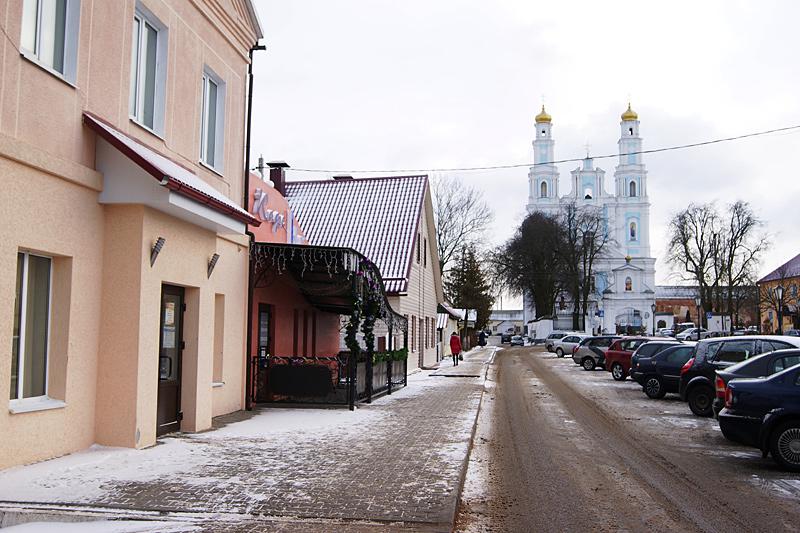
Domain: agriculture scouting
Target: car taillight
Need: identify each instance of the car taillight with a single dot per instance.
(687, 366)
(728, 397)
(719, 383)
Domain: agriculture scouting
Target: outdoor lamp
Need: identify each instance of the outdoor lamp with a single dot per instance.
(779, 298)
(653, 310)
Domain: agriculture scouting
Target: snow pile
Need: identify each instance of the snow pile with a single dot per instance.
(102, 526)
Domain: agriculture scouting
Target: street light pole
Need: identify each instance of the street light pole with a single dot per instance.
(779, 297)
(653, 310)
(699, 318)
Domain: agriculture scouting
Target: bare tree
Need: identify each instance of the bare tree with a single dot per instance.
(693, 246)
(739, 251)
(584, 241)
(767, 295)
(461, 218)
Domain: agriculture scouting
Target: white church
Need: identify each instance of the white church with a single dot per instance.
(624, 296)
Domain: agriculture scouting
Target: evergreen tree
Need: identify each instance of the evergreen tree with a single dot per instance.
(468, 287)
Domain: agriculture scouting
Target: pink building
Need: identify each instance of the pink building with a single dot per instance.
(124, 255)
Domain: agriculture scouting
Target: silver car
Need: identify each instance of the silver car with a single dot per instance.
(568, 343)
(552, 338)
(591, 352)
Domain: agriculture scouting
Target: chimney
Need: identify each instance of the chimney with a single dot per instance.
(277, 174)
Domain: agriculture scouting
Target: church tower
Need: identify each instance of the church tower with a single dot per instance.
(543, 176)
(633, 225)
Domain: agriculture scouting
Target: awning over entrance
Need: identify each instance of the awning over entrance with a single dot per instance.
(127, 166)
(331, 279)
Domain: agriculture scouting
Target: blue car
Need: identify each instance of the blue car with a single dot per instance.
(765, 413)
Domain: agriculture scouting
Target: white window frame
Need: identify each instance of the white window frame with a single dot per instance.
(22, 323)
(217, 165)
(136, 96)
(71, 34)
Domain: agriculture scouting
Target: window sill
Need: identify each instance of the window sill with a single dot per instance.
(35, 60)
(212, 169)
(148, 129)
(30, 405)
(217, 384)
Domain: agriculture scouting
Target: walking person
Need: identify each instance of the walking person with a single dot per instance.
(455, 347)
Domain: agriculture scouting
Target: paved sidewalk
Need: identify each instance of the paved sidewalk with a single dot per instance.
(396, 464)
(473, 365)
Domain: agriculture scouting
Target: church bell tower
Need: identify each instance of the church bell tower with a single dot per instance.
(543, 175)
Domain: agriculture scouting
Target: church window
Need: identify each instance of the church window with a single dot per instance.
(543, 191)
(587, 193)
(632, 188)
(630, 131)
(628, 284)
(543, 133)
(633, 231)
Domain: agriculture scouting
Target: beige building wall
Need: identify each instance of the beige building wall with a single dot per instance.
(423, 295)
(103, 343)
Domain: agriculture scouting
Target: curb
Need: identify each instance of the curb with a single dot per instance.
(465, 464)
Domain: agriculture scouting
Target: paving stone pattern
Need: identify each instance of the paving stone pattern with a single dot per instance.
(402, 469)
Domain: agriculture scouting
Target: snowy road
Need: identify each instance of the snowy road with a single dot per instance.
(561, 449)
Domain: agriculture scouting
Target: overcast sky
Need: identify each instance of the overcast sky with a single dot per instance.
(388, 84)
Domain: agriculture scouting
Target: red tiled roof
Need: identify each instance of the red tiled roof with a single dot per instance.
(378, 217)
(790, 269)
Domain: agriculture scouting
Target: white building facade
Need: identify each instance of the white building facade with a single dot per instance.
(624, 295)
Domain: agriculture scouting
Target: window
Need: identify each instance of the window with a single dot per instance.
(29, 349)
(543, 133)
(425, 252)
(680, 355)
(148, 71)
(213, 123)
(543, 190)
(413, 333)
(418, 250)
(50, 34)
(628, 284)
(602, 342)
(771, 346)
(632, 231)
(735, 351)
(587, 193)
(630, 131)
(782, 363)
(632, 188)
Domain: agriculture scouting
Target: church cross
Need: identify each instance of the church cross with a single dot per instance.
(587, 146)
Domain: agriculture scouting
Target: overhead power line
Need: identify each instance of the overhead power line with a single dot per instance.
(555, 162)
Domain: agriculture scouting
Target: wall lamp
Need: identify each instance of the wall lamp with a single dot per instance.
(212, 263)
(156, 250)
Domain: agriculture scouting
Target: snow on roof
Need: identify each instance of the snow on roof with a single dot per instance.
(676, 292)
(378, 217)
(790, 269)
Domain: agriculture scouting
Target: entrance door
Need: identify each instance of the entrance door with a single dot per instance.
(264, 351)
(170, 348)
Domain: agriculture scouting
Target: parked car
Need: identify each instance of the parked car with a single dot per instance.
(792, 332)
(648, 349)
(517, 340)
(682, 326)
(568, 343)
(765, 413)
(661, 372)
(550, 339)
(690, 334)
(698, 374)
(591, 351)
(665, 332)
(505, 337)
(618, 356)
(756, 367)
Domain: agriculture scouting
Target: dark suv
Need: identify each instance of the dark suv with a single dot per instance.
(648, 349)
(698, 374)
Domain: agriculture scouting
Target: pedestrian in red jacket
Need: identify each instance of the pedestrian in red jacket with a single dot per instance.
(455, 347)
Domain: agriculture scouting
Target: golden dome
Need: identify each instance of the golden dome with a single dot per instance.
(543, 116)
(630, 114)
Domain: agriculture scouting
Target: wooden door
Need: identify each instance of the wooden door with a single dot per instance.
(170, 350)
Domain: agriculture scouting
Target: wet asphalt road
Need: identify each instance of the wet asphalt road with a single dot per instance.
(561, 449)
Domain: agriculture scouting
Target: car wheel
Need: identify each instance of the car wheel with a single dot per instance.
(559, 352)
(785, 445)
(588, 363)
(654, 388)
(617, 372)
(701, 400)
